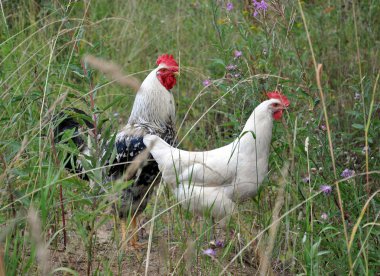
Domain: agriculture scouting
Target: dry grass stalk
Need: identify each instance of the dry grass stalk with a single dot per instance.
(113, 71)
(59, 100)
(164, 256)
(265, 258)
(2, 266)
(24, 143)
(36, 233)
(188, 256)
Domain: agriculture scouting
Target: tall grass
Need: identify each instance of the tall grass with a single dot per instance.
(323, 55)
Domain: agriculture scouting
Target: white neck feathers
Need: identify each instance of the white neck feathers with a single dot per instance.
(260, 123)
(154, 104)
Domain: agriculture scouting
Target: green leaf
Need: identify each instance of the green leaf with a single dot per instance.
(358, 126)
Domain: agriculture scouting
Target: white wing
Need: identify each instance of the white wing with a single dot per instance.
(209, 168)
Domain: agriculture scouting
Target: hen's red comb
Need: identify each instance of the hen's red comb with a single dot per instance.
(167, 59)
(277, 95)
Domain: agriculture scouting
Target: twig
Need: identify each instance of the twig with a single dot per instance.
(266, 258)
(60, 192)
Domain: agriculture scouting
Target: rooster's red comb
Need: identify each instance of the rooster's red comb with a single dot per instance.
(167, 59)
(277, 95)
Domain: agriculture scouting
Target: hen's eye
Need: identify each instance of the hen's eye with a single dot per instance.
(162, 71)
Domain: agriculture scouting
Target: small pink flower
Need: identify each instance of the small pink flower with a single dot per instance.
(207, 82)
(259, 6)
(209, 252)
(219, 243)
(347, 173)
(326, 189)
(238, 54)
(323, 127)
(306, 179)
(324, 216)
(229, 6)
(231, 67)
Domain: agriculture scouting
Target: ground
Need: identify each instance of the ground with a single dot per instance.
(132, 261)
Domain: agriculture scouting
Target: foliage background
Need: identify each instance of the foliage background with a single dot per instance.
(41, 72)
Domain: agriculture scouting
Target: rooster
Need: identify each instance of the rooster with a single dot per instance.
(217, 179)
(153, 112)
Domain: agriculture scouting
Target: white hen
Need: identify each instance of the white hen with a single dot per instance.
(220, 177)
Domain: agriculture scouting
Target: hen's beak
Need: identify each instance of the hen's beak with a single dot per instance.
(177, 74)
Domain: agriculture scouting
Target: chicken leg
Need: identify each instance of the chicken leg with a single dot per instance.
(133, 241)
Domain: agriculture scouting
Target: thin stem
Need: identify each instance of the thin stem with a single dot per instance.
(318, 71)
(367, 129)
(61, 200)
(3, 14)
(361, 90)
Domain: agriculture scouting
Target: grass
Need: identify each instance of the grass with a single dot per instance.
(335, 107)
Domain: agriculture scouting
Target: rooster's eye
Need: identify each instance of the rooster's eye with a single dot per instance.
(162, 71)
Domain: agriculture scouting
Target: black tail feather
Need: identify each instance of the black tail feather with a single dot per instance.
(68, 119)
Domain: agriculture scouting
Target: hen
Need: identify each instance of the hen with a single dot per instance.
(218, 178)
(153, 112)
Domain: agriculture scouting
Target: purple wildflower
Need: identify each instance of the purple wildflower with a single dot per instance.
(357, 96)
(238, 54)
(209, 252)
(229, 6)
(237, 75)
(347, 173)
(324, 216)
(231, 67)
(306, 179)
(259, 6)
(323, 127)
(326, 189)
(216, 243)
(219, 243)
(206, 82)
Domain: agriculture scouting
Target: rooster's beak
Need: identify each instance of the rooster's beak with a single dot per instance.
(177, 74)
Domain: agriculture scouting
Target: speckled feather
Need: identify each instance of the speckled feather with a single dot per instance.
(135, 198)
(129, 144)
